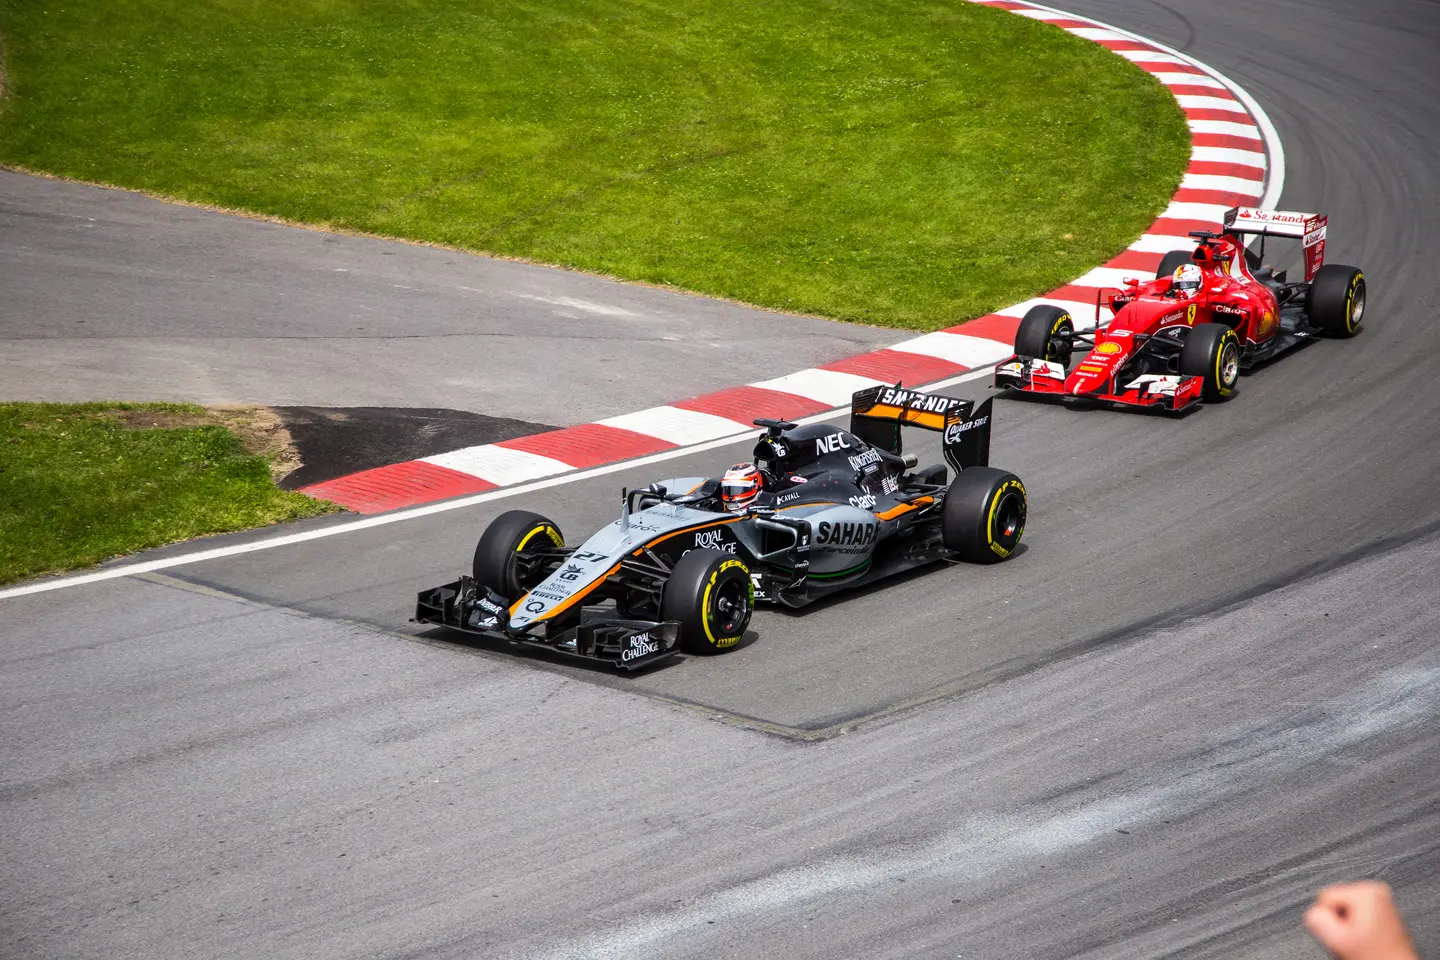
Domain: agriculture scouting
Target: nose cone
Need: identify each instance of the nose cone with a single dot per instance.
(1094, 373)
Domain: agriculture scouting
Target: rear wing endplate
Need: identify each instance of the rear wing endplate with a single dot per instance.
(1308, 228)
(878, 413)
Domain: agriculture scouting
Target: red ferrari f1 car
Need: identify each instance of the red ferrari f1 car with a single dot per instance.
(1186, 335)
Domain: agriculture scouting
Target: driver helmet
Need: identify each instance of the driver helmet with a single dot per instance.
(1185, 281)
(740, 486)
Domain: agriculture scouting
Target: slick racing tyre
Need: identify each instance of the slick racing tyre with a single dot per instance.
(1336, 301)
(1171, 260)
(1212, 351)
(507, 558)
(1046, 333)
(711, 595)
(983, 516)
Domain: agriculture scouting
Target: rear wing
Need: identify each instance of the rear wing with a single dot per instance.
(878, 413)
(1308, 228)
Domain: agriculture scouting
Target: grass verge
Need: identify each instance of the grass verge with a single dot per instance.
(900, 162)
(84, 482)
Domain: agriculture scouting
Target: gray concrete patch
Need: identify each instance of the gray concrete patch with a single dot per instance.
(106, 294)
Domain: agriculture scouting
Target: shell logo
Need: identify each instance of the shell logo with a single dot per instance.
(1108, 347)
(1267, 321)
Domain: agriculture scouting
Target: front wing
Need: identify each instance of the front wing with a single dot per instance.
(1167, 391)
(623, 644)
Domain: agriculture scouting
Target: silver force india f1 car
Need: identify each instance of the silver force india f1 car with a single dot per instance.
(820, 509)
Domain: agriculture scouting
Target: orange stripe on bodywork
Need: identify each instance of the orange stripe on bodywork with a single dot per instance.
(900, 509)
(569, 602)
(920, 418)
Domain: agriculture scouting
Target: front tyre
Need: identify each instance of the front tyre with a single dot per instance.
(1046, 333)
(983, 517)
(509, 558)
(711, 595)
(1336, 301)
(1212, 352)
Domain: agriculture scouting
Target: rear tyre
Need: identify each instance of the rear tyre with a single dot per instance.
(983, 517)
(1336, 301)
(1212, 351)
(507, 558)
(1046, 333)
(1171, 260)
(711, 595)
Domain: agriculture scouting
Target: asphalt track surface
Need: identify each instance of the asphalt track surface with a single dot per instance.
(1206, 687)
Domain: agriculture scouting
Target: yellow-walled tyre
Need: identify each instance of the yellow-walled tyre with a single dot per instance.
(983, 517)
(1336, 300)
(508, 558)
(710, 594)
(1046, 333)
(1212, 351)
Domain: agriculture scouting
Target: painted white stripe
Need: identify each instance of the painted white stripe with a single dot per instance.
(1045, 14)
(1161, 243)
(1082, 313)
(1182, 210)
(824, 386)
(1188, 80)
(500, 465)
(1104, 277)
(1251, 158)
(1226, 127)
(958, 348)
(1209, 181)
(1095, 33)
(676, 425)
(1192, 102)
(1147, 56)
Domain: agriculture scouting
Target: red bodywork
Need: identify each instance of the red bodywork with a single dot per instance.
(1229, 294)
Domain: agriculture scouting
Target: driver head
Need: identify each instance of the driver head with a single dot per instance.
(740, 486)
(1185, 281)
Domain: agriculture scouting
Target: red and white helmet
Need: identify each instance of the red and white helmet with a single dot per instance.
(1185, 281)
(740, 485)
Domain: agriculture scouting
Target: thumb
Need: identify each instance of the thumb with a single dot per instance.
(1324, 925)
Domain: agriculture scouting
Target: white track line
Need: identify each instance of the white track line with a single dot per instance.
(414, 513)
(1276, 184)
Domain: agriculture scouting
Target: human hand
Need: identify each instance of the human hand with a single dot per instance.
(1358, 921)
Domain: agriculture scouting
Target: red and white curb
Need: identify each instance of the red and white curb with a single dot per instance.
(1235, 160)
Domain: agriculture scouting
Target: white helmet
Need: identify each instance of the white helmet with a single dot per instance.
(1185, 281)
